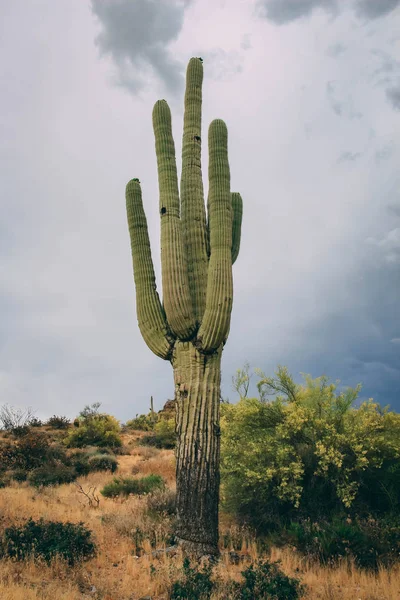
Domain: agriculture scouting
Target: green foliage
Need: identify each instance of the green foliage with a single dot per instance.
(164, 435)
(80, 462)
(241, 381)
(195, 584)
(142, 422)
(371, 543)
(266, 581)
(26, 453)
(52, 474)
(19, 475)
(20, 431)
(126, 486)
(58, 422)
(46, 540)
(308, 452)
(95, 430)
(35, 422)
(103, 462)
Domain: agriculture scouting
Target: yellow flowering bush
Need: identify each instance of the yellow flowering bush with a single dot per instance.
(308, 451)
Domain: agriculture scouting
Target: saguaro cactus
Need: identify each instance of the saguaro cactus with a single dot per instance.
(190, 327)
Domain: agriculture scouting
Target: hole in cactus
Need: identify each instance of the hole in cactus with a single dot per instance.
(197, 138)
(163, 210)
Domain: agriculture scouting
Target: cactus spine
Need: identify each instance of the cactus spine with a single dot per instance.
(192, 324)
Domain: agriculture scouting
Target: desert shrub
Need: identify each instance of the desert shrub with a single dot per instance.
(58, 422)
(161, 502)
(164, 435)
(19, 475)
(26, 453)
(52, 474)
(103, 462)
(12, 417)
(308, 452)
(145, 452)
(195, 584)
(80, 462)
(266, 581)
(96, 430)
(142, 422)
(20, 431)
(370, 543)
(35, 422)
(46, 540)
(126, 486)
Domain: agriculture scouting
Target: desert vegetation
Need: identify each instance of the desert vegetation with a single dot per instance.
(98, 521)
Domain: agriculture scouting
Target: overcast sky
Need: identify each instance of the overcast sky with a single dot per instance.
(310, 92)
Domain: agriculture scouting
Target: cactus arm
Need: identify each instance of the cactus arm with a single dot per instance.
(176, 294)
(151, 317)
(193, 212)
(237, 207)
(216, 320)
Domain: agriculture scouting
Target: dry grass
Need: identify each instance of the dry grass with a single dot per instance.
(121, 571)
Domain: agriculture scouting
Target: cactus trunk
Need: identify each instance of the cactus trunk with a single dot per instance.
(191, 325)
(197, 390)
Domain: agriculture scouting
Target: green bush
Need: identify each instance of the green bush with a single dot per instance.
(19, 475)
(142, 422)
(124, 487)
(164, 435)
(35, 422)
(45, 540)
(26, 453)
(307, 453)
(266, 581)
(52, 475)
(80, 462)
(57, 422)
(96, 430)
(20, 430)
(370, 543)
(196, 584)
(103, 462)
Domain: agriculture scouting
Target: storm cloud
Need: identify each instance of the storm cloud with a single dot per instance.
(136, 35)
(281, 12)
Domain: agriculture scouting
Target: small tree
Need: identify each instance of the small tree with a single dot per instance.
(96, 429)
(13, 418)
(241, 381)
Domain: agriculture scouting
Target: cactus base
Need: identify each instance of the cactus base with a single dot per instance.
(197, 390)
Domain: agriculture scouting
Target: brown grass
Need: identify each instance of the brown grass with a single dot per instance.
(121, 571)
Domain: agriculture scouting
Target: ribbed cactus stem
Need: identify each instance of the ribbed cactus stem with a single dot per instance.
(151, 317)
(215, 324)
(176, 294)
(192, 194)
(237, 207)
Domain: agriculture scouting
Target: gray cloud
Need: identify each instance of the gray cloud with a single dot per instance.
(222, 65)
(373, 9)
(393, 95)
(385, 152)
(348, 157)
(341, 101)
(136, 35)
(286, 11)
(336, 50)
